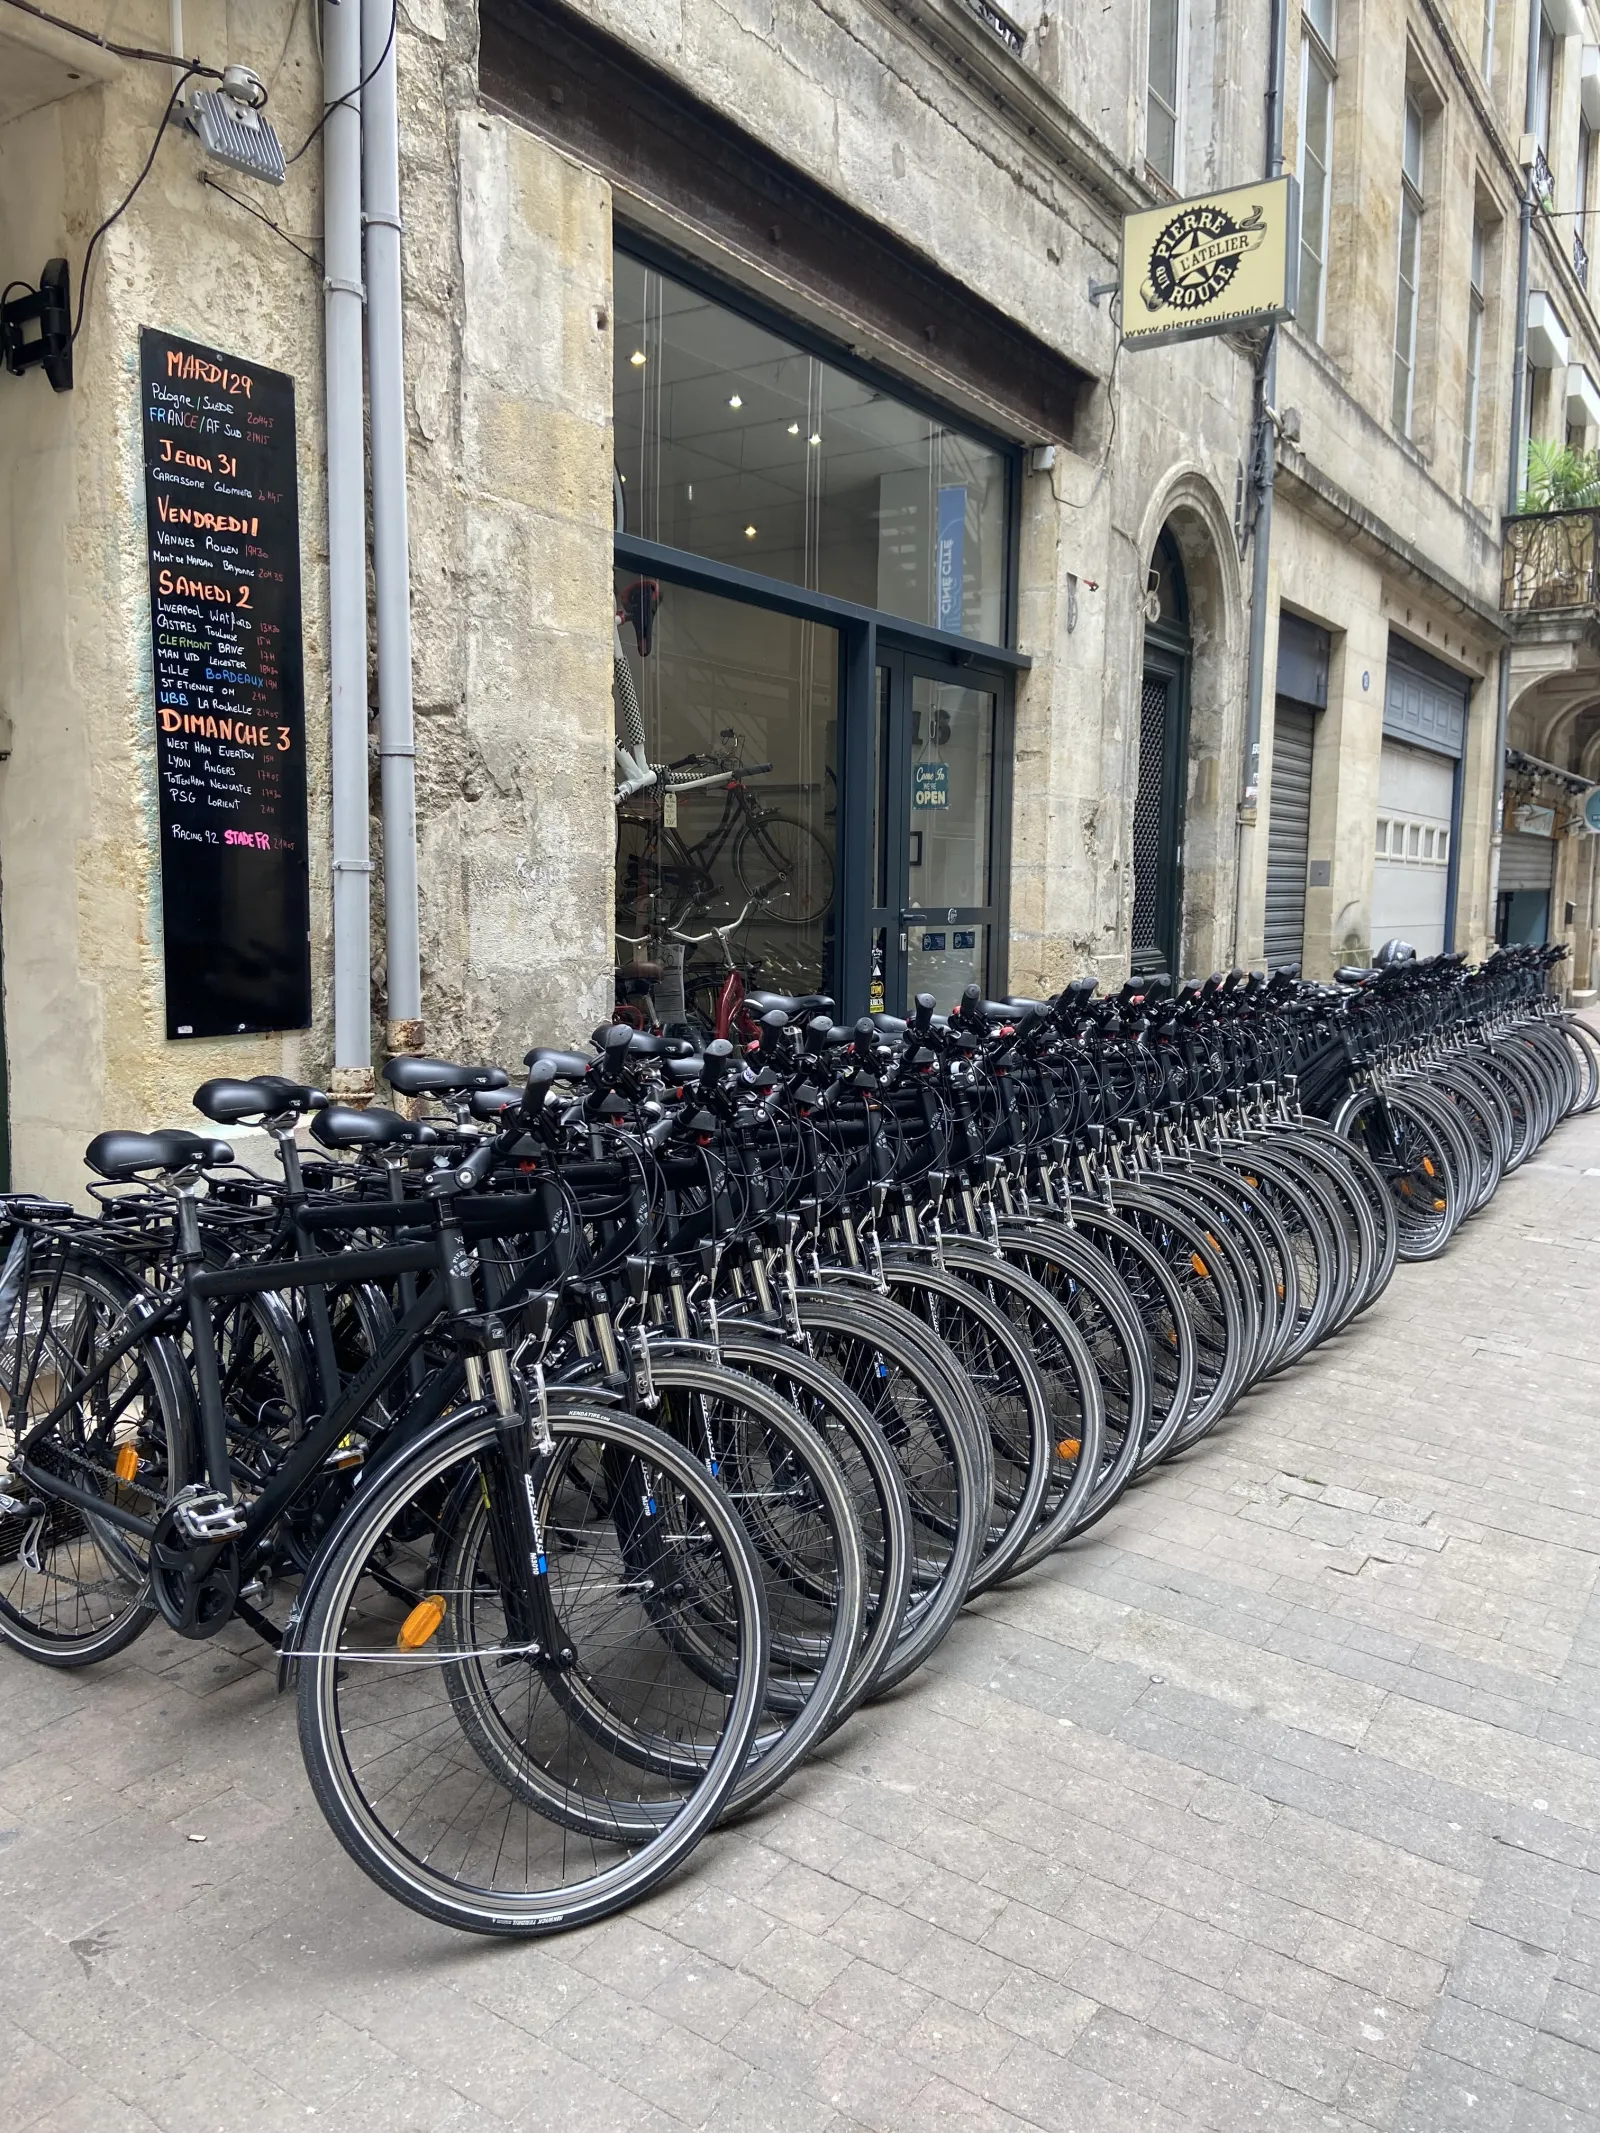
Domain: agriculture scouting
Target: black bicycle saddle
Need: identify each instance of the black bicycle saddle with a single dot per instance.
(341, 1126)
(441, 1077)
(120, 1156)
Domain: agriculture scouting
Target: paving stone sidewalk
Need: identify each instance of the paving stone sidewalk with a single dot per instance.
(1275, 1803)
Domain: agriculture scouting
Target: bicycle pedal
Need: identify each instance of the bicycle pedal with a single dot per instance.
(205, 1519)
(343, 1457)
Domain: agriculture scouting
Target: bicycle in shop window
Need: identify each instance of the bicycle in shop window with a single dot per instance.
(778, 862)
(661, 990)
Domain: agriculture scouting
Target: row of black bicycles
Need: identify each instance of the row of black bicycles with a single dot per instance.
(591, 1448)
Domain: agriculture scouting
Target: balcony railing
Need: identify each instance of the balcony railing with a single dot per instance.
(1550, 562)
(1580, 258)
(999, 24)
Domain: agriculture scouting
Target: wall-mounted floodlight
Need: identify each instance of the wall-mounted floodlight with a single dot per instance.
(231, 129)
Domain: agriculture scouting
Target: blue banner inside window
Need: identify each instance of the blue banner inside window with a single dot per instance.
(951, 556)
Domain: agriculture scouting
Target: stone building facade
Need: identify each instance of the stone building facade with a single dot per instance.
(974, 581)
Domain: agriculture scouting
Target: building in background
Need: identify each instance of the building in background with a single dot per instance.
(762, 370)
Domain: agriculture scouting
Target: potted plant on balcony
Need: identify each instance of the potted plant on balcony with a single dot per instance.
(1550, 546)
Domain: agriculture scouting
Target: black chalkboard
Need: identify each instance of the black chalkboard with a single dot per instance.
(222, 510)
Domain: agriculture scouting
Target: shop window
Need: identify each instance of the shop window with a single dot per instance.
(736, 443)
(743, 703)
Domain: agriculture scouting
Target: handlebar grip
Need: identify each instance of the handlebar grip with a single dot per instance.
(719, 1057)
(922, 1018)
(773, 1025)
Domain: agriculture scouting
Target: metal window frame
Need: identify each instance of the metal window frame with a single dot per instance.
(1316, 55)
(866, 636)
(905, 663)
(1410, 196)
(648, 251)
(1174, 110)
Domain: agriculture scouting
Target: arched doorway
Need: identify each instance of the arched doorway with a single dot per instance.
(1158, 806)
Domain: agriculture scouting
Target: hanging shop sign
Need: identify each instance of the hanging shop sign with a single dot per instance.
(1531, 820)
(930, 785)
(1212, 264)
(222, 513)
(951, 571)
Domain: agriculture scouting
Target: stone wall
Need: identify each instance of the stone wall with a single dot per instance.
(81, 904)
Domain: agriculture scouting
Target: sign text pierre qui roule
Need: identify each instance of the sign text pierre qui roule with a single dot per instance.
(1213, 264)
(222, 513)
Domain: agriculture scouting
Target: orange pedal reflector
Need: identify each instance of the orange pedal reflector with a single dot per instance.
(422, 1623)
(1427, 1164)
(1200, 1266)
(127, 1462)
(1069, 1447)
(1439, 1206)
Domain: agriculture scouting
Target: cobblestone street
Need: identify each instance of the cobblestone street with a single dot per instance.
(1275, 1803)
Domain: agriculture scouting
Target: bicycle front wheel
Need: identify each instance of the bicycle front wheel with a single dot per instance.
(74, 1584)
(511, 1790)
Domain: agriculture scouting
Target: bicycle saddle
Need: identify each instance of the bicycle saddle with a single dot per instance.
(1354, 974)
(490, 1103)
(441, 1077)
(643, 1044)
(568, 1066)
(268, 1096)
(121, 1156)
(341, 1126)
(793, 1004)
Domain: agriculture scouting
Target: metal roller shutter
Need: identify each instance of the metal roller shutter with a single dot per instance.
(1526, 862)
(1294, 731)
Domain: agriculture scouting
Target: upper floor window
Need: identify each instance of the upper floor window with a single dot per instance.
(1486, 54)
(1317, 74)
(1405, 314)
(1475, 311)
(1580, 226)
(1544, 83)
(1163, 77)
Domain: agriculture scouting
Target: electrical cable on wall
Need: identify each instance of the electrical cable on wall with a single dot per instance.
(104, 44)
(371, 74)
(189, 71)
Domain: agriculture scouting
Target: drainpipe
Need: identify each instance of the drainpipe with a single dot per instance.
(347, 559)
(391, 562)
(1520, 416)
(1264, 446)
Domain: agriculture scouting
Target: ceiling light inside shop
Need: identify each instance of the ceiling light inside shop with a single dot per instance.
(734, 400)
(794, 429)
(815, 437)
(637, 359)
(749, 533)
